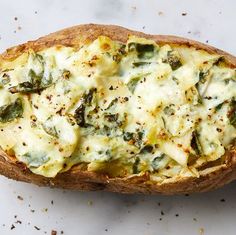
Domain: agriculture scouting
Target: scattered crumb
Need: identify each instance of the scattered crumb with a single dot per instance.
(19, 27)
(160, 219)
(15, 216)
(134, 8)
(144, 27)
(32, 211)
(148, 223)
(162, 213)
(15, 18)
(207, 41)
(189, 32)
(13, 227)
(3, 225)
(37, 228)
(186, 195)
(159, 204)
(52, 202)
(45, 210)
(106, 230)
(35, 12)
(20, 198)
(160, 13)
(184, 14)
(194, 219)
(177, 215)
(222, 200)
(201, 231)
(62, 232)
(220, 12)
(90, 203)
(53, 232)
(18, 222)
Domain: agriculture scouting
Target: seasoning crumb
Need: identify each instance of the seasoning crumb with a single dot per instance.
(18, 222)
(201, 231)
(53, 232)
(162, 213)
(160, 13)
(160, 219)
(134, 8)
(13, 227)
(106, 230)
(144, 27)
(32, 211)
(35, 12)
(37, 228)
(15, 216)
(207, 41)
(20, 198)
(186, 195)
(62, 232)
(194, 219)
(45, 210)
(184, 13)
(159, 204)
(19, 27)
(177, 215)
(15, 18)
(90, 203)
(52, 202)
(222, 200)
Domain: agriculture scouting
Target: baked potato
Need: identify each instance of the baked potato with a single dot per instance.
(101, 107)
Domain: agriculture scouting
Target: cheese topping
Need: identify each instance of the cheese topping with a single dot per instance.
(119, 109)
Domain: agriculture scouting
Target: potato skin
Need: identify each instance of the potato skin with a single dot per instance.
(78, 179)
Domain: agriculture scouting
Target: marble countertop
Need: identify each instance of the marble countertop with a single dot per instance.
(27, 209)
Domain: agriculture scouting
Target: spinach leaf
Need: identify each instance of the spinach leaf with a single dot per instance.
(195, 143)
(156, 161)
(140, 63)
(133, 83)
(80, 111)
(173, 60)
(36, 159)
(232, 113)
(12, 111)
(36, 83)
(144, 51)
(146, 149)
(136, 165)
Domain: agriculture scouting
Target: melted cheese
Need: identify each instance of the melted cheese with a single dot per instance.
(137, 107)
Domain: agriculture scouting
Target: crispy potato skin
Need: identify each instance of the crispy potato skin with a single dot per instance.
(78, 179)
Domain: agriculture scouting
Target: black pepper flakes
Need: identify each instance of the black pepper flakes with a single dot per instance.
(37, 228)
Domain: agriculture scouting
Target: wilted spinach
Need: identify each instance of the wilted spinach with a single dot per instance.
(144, 51)
(195, 143)
(232, 113)
(36, 159)
(173, 60)
(80, 111)
(11, 111)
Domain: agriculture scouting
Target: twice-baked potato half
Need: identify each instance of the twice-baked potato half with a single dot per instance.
(98, 107)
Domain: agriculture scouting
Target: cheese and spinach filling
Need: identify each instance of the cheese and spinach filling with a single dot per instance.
(119, 109)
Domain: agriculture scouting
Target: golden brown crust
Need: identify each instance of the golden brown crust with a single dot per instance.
(78, 179)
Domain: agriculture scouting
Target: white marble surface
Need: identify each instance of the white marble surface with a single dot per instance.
(105, 213)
